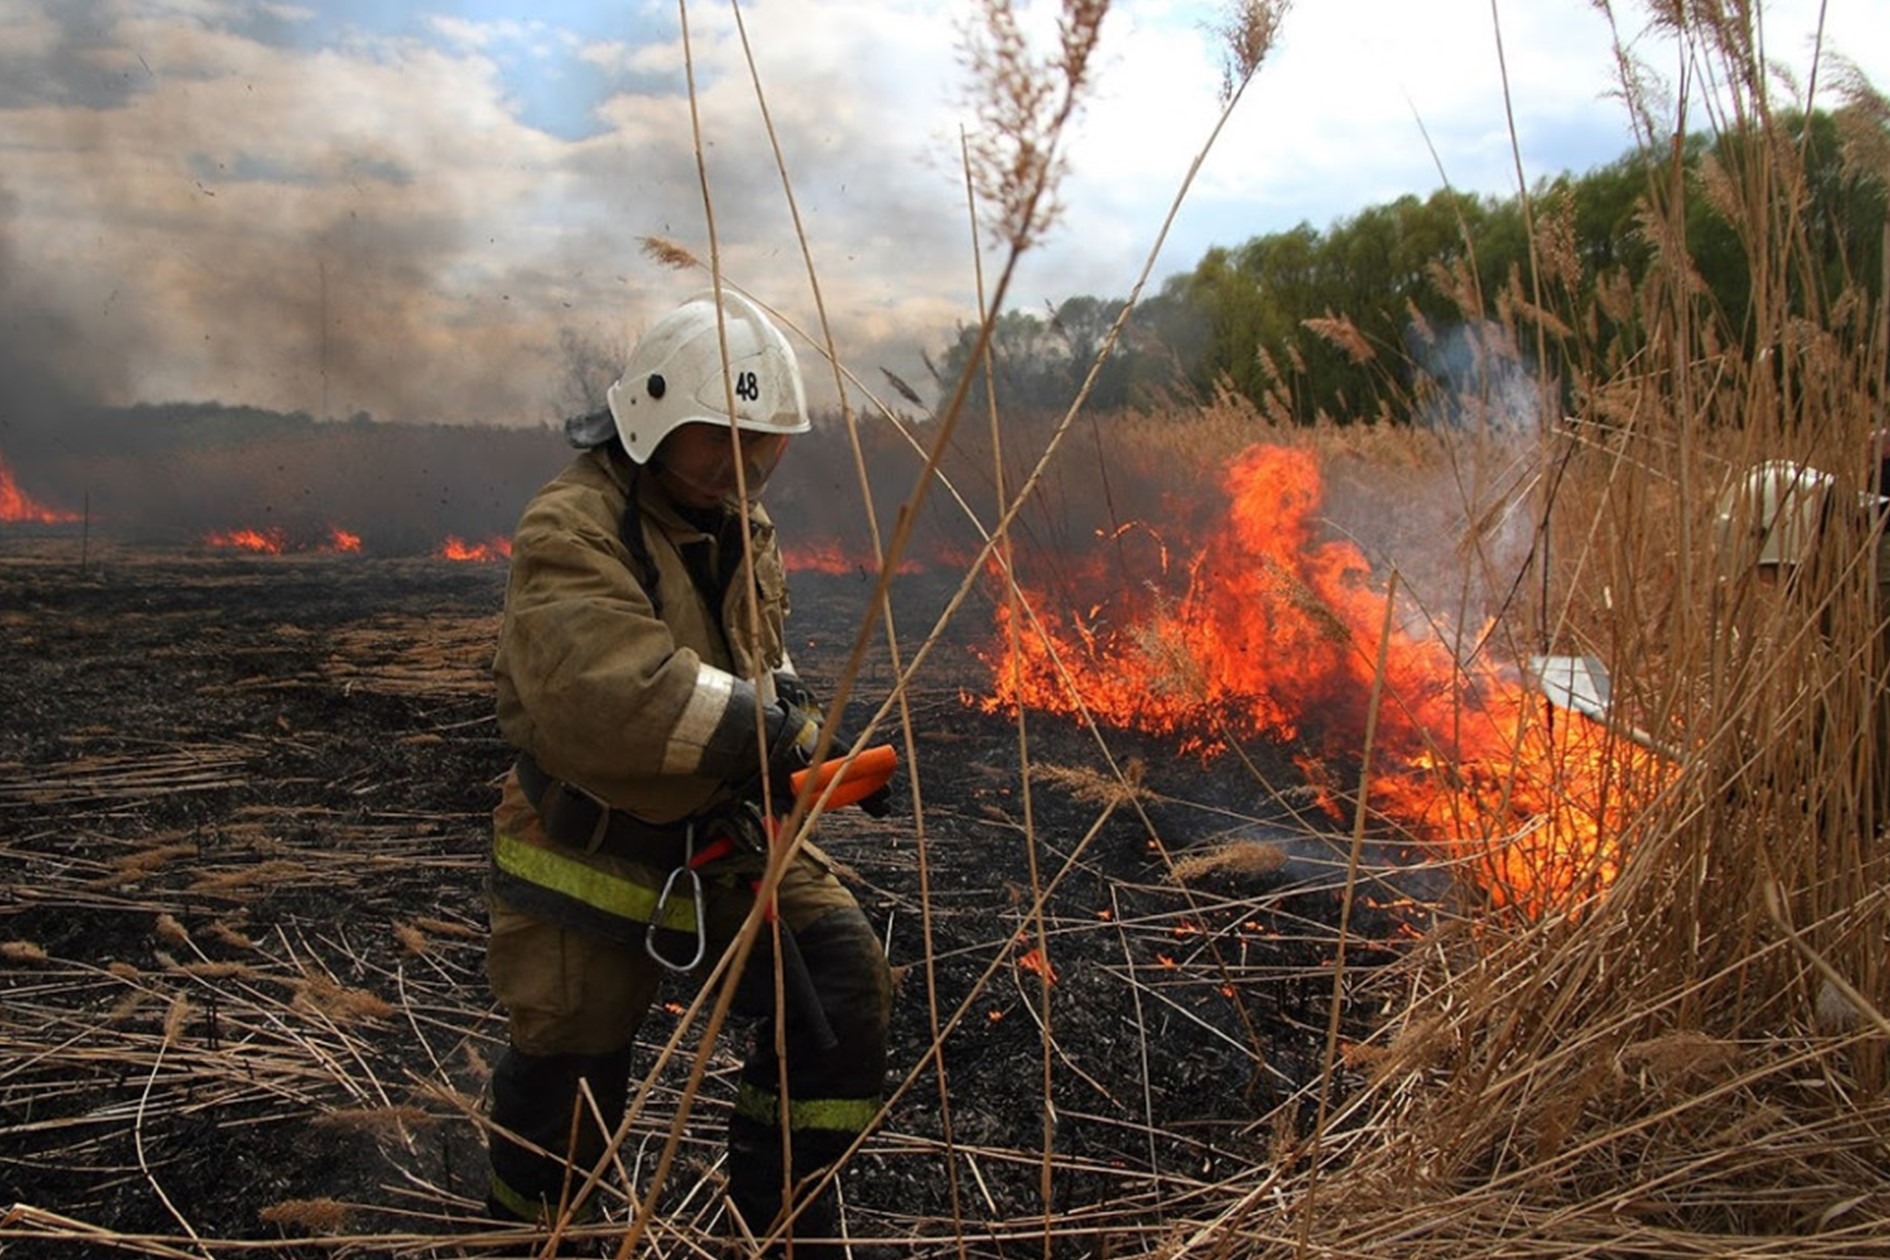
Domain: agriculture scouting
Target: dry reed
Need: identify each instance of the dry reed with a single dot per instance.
(1691, 1065)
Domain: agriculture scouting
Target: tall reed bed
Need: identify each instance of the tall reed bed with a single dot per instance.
(1694, 1062)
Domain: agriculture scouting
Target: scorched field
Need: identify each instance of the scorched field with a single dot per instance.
(243, 806)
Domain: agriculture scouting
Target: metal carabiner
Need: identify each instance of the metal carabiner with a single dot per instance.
(688, 868)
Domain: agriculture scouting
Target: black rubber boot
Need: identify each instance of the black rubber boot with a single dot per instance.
(754, 1189)
(535, 1097)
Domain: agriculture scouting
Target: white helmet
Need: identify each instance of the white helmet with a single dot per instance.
(1773, 513)
(675, 376)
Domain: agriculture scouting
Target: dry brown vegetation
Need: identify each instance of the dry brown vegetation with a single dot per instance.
(1690, 1063)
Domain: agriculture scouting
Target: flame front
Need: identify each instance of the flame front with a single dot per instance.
(1268, 632)
(830, 556)
(17, 506)
(457, 548)
(268, 542)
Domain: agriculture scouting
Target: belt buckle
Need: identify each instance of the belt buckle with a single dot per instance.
(602, 825)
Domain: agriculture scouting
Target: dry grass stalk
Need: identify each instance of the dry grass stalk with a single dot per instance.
(1023, 106)
(410, 656)
(130, 777)
(317, 1216)
(252, 878)
(127, 1007)
(1245, 859)
(175, 1017)
(1086, 785)
(1343, 333)
(1246, 36)
(667, 253)
(321, 994)
(448, 927)
(224, 934)
(384, 1122)
(135, 867)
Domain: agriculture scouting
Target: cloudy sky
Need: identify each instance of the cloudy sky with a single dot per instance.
(414, 207)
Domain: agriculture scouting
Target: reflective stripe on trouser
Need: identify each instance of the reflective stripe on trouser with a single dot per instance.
(572, 973)
(831, 1098)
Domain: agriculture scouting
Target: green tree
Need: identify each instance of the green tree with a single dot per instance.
(1347, 323)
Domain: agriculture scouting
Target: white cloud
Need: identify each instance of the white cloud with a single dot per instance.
(371, 222)
(26, 33)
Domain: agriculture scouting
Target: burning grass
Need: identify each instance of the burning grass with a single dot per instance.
(1398, 962)
(258, 948)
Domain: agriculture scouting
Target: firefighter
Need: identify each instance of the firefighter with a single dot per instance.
(1788, 524)
(1771, 517)
(1775, 517)
(634, 656)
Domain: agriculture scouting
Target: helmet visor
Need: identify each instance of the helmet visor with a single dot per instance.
(701, 459)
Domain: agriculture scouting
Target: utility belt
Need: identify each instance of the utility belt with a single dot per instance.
(576, 819)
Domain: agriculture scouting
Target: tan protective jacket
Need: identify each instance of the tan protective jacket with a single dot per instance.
(602, 690)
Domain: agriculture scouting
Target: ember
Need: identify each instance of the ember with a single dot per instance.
(1033, 960)
(1264, 631)
(17, 506)
(343, 541)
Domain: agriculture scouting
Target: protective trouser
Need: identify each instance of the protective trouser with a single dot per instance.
(832, 1096)
(575, 998)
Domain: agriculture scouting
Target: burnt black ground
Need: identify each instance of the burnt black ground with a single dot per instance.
(308, 741)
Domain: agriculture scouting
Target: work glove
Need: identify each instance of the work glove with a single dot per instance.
(798, 695)
(792, 737)
(877, 803)
(790, 688)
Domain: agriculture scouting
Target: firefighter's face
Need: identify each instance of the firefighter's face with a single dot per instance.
(696, 462)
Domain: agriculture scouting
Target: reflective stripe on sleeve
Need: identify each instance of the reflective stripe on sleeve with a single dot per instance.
(707, 707)
(840, 1115)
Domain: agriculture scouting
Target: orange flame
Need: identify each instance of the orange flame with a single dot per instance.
(269, 542)
(275, 541)
(1033, 960)
(17, 506)
(1269, 632)
(494, 548)
(829, 556)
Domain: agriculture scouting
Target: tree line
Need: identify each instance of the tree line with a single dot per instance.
(1340, 324)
